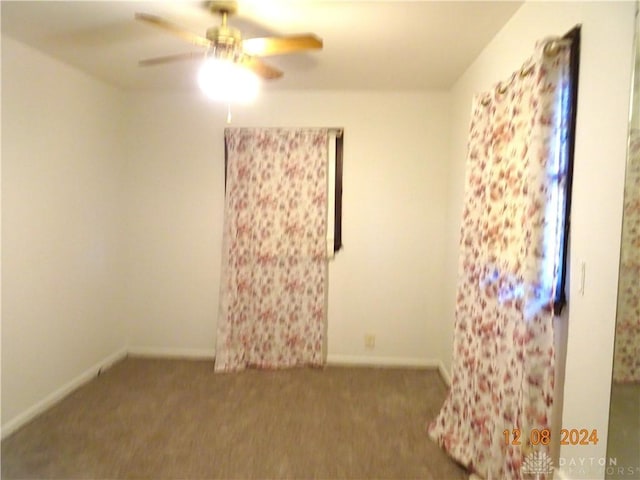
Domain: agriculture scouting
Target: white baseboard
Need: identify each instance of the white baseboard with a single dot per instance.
(357, 360)
(444, 373)
(370, 361)
(352, 360)
(54, 397)
(163, 352)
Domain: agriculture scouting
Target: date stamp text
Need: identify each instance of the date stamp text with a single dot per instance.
(568, 436)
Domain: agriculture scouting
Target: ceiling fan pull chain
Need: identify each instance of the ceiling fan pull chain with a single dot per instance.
(228, 112)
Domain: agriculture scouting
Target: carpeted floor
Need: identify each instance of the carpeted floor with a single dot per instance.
(623, 442)
(161, 419)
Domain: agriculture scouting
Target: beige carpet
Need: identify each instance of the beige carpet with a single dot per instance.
(161, 419)
(623, 443)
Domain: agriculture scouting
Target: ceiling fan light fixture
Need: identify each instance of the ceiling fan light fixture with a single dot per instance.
(233, 69)
(226, 81)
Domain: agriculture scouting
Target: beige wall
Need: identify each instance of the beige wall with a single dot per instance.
(388, 279)
(601, 137)
(61, 162)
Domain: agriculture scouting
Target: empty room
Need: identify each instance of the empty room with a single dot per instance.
(320, 239)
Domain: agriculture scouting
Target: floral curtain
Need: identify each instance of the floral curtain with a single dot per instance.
(626, 364)
(274, 275)
(510, 250)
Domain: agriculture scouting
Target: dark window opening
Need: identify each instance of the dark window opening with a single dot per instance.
(337, 217)
(570, 113)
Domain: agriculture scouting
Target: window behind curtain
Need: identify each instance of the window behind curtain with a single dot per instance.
(569, 105)
(334, 231)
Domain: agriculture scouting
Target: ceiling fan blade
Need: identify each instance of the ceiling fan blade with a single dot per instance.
(176, 30)
(260, 68)
(171, 58)
(280, 45)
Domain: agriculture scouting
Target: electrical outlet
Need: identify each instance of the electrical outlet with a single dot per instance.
(369, 341)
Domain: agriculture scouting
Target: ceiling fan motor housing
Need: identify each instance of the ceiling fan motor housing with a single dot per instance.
(226, 41)
(224, 6)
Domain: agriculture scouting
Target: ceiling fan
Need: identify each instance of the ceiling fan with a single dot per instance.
(226, 43)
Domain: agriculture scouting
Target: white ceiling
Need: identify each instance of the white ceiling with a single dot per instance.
(387, 45)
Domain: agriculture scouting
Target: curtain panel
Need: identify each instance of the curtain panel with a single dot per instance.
(626, 363)
(511, 237)
(274, 272)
